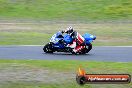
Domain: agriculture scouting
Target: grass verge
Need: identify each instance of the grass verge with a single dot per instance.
(108, 34)
(68, 68)
(67, 10)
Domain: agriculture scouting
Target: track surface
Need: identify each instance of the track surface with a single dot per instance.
(116, 54)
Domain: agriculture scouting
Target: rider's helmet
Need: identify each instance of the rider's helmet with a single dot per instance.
(69, 30)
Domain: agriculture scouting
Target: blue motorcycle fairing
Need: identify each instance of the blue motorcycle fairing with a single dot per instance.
(89, 38)
(67, 39)
(61, 46)
(55, 39)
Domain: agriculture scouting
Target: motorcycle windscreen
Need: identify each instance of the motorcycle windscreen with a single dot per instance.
(55, 38)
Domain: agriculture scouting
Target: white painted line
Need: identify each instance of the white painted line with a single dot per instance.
(21, 45)
(28, 45)
(113, 46)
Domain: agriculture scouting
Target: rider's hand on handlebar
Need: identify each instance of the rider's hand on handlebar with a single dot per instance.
(62, 31)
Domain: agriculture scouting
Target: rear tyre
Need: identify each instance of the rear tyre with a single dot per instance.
(86, 49)
(89, 48)
(48, 48)
(74, 53)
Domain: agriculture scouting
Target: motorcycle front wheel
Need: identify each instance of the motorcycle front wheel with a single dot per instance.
(48, 48)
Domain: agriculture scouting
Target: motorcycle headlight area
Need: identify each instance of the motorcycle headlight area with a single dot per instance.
(54, 40)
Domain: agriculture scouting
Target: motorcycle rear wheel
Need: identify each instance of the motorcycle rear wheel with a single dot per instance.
(86, 49)
(89, 48)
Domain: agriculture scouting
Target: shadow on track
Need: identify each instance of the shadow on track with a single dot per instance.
(69, 54)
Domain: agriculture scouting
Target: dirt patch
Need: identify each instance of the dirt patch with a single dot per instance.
(35, 33)
(23, 73)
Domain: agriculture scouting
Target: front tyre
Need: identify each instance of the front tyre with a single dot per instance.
(48, 48)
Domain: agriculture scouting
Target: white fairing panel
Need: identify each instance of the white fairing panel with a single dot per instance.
(91, 36)
(54, 39)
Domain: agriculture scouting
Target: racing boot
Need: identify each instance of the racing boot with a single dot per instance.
(73, 45)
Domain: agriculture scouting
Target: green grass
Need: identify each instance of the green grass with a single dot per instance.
(39, 85)
(68, 66)
(72, 65)
(108, 34)
(23, 38)
(87, 10)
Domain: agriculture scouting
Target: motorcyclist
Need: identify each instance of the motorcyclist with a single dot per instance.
(78, 40)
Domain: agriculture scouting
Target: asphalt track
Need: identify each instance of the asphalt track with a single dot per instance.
(114, 54)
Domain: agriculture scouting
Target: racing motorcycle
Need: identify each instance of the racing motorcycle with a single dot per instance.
(59, 42)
